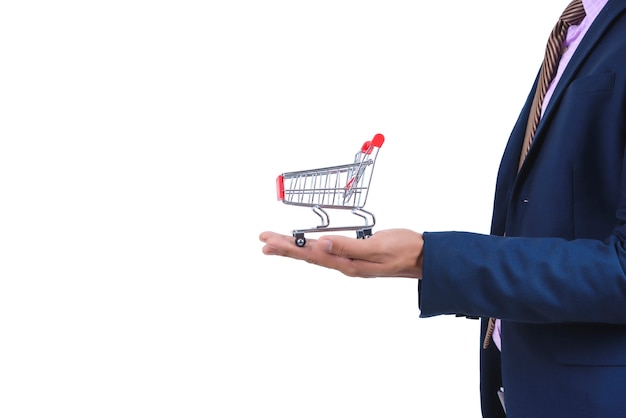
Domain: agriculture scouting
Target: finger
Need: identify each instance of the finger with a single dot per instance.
(284, 245)
(276, 241)
(350, 248)
(264, 236)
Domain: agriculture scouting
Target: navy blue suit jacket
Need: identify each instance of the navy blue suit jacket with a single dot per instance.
(558, 278)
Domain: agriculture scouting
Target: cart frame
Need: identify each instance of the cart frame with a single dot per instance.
(342, 187)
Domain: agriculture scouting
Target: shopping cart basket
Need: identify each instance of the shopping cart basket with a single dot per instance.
(337, 187)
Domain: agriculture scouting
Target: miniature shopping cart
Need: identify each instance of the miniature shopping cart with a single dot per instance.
(338, 187)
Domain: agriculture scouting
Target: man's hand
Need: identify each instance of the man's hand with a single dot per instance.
(387, 253)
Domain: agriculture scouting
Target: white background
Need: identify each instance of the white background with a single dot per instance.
(140, 141)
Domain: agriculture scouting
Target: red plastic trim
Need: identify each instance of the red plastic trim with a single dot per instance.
(378, 140)
(280, 187)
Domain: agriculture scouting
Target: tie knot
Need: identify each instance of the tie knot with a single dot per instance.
(574, 13)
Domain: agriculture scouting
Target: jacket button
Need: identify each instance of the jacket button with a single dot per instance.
(524, 201)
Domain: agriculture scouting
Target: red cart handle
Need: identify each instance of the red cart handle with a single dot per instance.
(377, 141)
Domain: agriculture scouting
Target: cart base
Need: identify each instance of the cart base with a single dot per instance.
(300, 240)
(362, 231)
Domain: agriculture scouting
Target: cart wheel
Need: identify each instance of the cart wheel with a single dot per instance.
(300, 240)
(364, 233)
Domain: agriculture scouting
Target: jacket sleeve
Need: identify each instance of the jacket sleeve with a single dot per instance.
(535, 280)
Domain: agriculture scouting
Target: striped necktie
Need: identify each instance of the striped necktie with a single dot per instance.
(573, 14)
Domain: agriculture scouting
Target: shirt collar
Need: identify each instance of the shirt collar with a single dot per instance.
(593, 7)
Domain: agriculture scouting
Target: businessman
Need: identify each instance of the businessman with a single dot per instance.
(549, 281)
